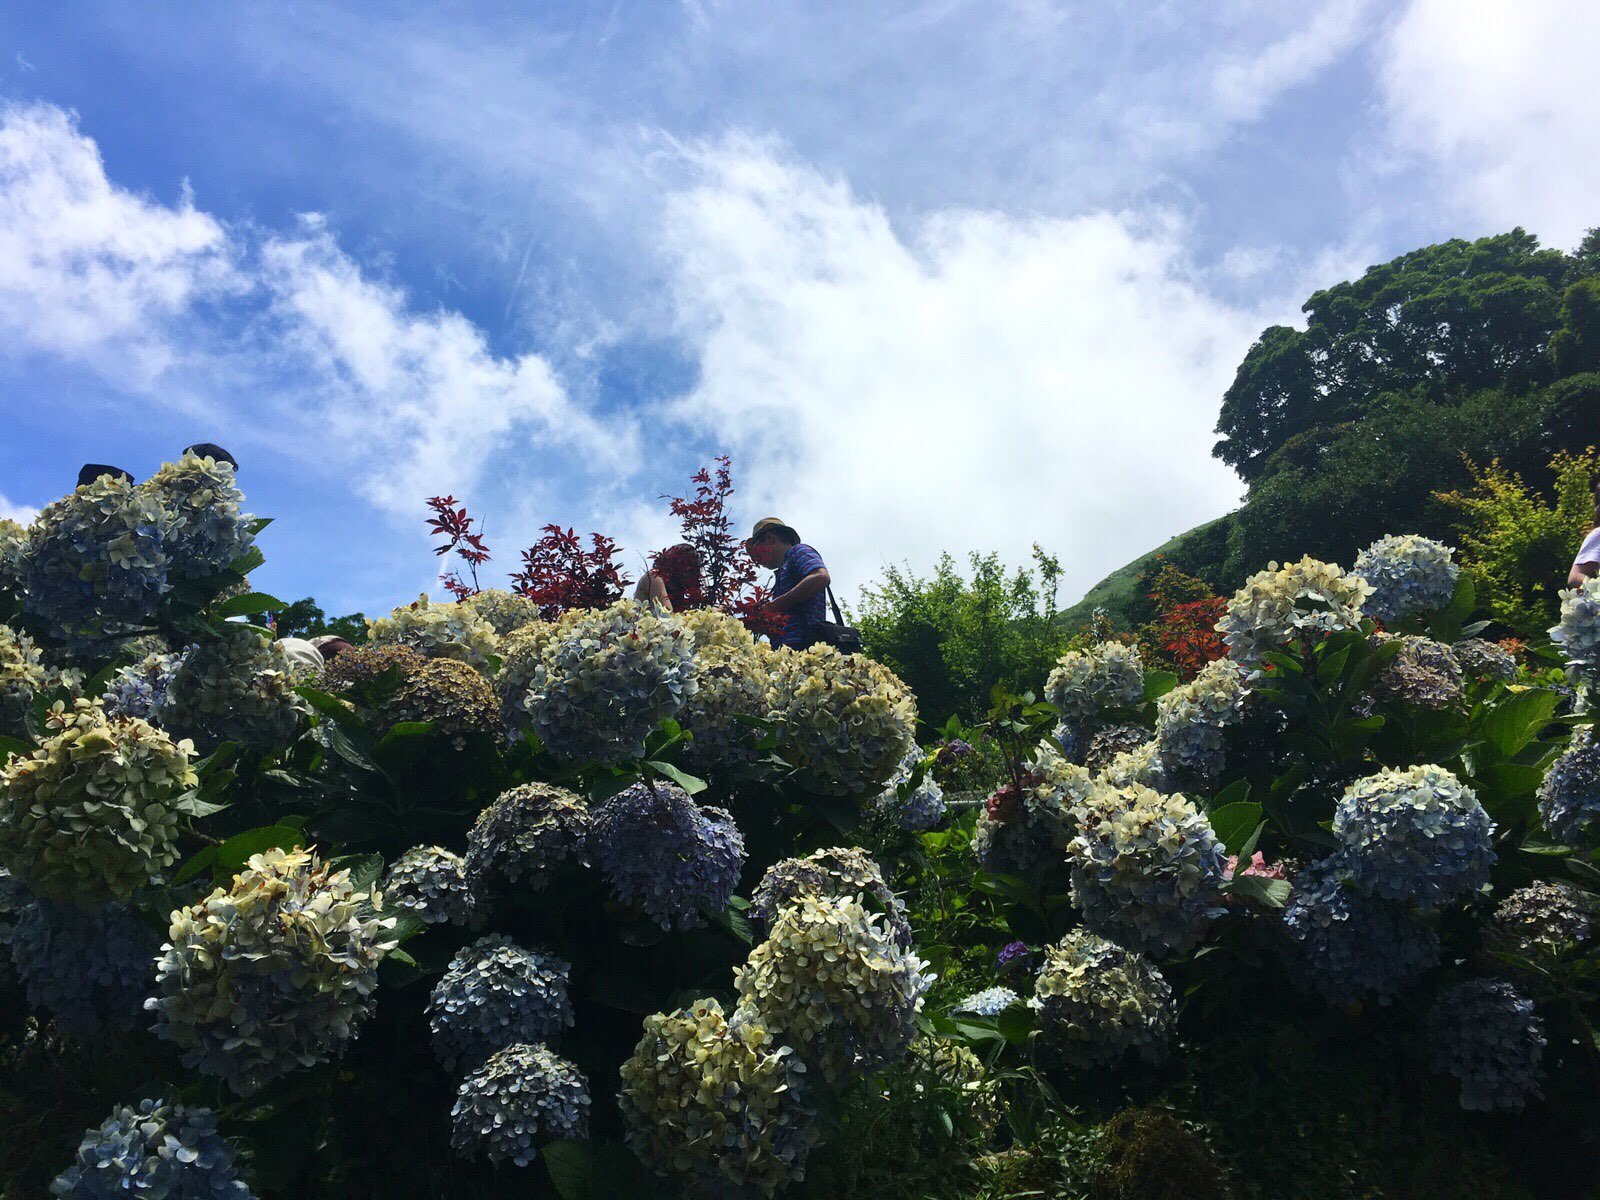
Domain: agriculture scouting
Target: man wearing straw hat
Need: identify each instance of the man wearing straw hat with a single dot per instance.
(799, 585)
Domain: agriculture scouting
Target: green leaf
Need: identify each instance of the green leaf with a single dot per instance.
(191, 805)
(236, 851)
(400, 956)
(1158, 684)
(1274, 893)
(1518, 718)
(571, 1166)
(1239, 789)
(331, 707)
(248, 605)
(11, 745)
(1234, 822)
(197, 863)
(257, 525)
(692, 784)
(365, 869)
(1332, 667)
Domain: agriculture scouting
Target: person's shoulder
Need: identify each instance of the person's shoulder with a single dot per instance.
(804, 552)
(1590, 550)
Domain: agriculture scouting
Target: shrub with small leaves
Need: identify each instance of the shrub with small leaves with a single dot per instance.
(840, 871)
(923, 806)
(1147, 869)
(717, 1102)
(452, 630)
(1408, 574)
(832, 982)
(522, 1095)
(846, 721)
(431, 883)
(1416, 835)
(1085, 683)
(91, 815)
(1097, 1001)
(1578, 631)
(236, 687)
(274, 972)
(89, 970)
(1569, 796)
(1190, 719)
(525, 835)
(207, 530)
(495, 993)
(1283, 604)
(660, 850)
(158, 1151)
(1350, 947)
(1148, 1154)
(1488, 1037)
(454, 697)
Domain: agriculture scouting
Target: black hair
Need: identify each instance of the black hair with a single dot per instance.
(89, 472)
(212, 450)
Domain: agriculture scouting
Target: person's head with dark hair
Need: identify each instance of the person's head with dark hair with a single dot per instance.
(212, 450)
(679, 569)
(89, 472)
(771, 541)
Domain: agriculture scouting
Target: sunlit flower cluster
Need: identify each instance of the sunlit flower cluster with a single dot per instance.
(920, 809)
(454, 697)
(431, 883)
(1349, 946)
(1417, 835)
(158, 1150)
(87, 969)
(846, 721)
(1085, 683)
(1109, 743)
(451, 630)
(495, 993)
(90, 815)
(1578, 631)
(505, 611)
(274, 972)
(831, 981)
(660, 850)
(1569, 796)
(1146, 869)
(235, 687)
(361, 667)
(1408, 574)
(13, 545)
(523, 1094)
(1281, 604)
(1097, 1001)
(1191, 717)
(207, 531)
(990, 1002)
(22, 675)
(846, 871)
(140, 690)
(1488, 1037)
(605, 678)
(717, 1102)
(525, 835)
(1142, 766)
(1424, 674)
(96, 564)
(731, 683)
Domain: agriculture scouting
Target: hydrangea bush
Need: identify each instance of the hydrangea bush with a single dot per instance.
(660, 850)
(525, 835)
(843, 871)
(1282, 604)
(89, 970)
(732, 683)
(1190, 719)
(923, 807)
(1408, 574)
(493, 994)
(206, 528)
(522, 1096)
(1578, 631)
(431, 883)
(846, 721)
(1569, 796)
(1086, 683)
(1350, 947)
(1487, 1036)
(158, 1150)
(235, 687)
(141, 690)
(1097, 1001)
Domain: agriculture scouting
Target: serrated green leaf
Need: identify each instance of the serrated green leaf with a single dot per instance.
(248, 605)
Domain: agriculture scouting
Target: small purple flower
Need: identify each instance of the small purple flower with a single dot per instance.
(1013, 956)
(954, 750)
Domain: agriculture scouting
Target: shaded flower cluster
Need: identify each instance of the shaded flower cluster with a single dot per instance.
(1569, 796)
(717, 1102)
(1097, 1001)
(1416, 835)
(493, 994)
(1578, 631)
(843, 871)
(990, 1002)
(430, 882)
(453, 696)
(1191, 717)
(23, 676)
(1146, 869)
(141, 690)
(272, 973)
(846, 721)
(1482, 659)
(525, 834)
(1108, 743)
(923, 807)
(1085, 683)
(1021, 828)
(96, 563)
(89, 970)
(158, 1150)
(1408, 575)
(235, 687)
(207, 530)
(13, 545)
(453, 630)
(90, 815)
(1424, 674)
(606, 678)
(1348, 946)
(1539, 925)
(1487, 1036)
(659, 849)
(732, 674)
(831, 981)
(1281, 604)
(521, 1095)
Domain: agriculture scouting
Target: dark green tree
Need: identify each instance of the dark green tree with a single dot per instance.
(305, 618)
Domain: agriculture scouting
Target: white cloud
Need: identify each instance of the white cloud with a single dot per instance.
(1500, 97)
(979, 382)
(22, 514)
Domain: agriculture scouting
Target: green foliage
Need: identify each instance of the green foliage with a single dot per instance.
(305, 619)
(1148, 1154)
(954, 639)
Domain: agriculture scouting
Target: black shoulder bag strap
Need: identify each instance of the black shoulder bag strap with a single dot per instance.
(837, 615)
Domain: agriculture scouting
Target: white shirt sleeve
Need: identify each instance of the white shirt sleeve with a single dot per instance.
(1589, 552)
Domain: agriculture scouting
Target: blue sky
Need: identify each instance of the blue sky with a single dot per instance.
(959, 275)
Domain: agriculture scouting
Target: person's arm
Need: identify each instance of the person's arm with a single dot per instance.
(1581, 571)
(808, 587)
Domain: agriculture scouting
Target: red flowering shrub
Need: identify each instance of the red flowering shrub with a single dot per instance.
(726, 572)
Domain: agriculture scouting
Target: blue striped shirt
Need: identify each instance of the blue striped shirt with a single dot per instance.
(801, 561)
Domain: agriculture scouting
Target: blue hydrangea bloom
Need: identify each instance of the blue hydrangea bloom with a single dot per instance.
(1350, 946)
(88, 969)
(140, 690)
(923, 808)
(1071, 739)
(1569, 797)
(990, 1002)
(1488, 1037)
(158, 1151)
(1012, 956)
(521, 1094)
(493, 994)
(1417, 835)
(206, 529)
(659, 849)
(1409, 575)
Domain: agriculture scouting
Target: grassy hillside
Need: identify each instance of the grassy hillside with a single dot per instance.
(1119, 592)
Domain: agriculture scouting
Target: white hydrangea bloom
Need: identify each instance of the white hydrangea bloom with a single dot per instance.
(1191, 717)
(1277, 605)
(1087, 682)
(1578, 633)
